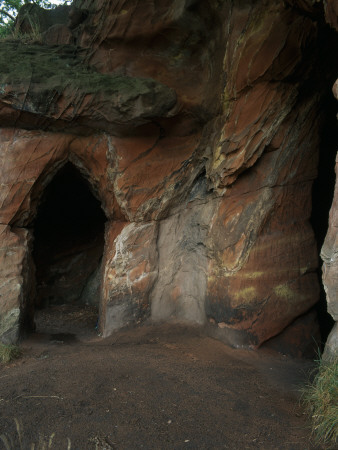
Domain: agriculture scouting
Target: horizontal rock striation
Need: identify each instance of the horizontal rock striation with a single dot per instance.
(196, 125)
(54, 86)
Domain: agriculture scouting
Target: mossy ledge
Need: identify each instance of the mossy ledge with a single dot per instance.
(33, 78)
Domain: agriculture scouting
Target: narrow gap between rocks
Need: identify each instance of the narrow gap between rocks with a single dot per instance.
(67, 253)
(323, 188)
(322, 197)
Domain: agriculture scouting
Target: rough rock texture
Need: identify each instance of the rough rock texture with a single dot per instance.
(181, 287)
(15, 276)
(329, 251)
(129, 274)
(54, 86)
(197, 126)
(329, 255)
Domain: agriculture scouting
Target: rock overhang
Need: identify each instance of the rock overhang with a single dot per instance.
(58, 87)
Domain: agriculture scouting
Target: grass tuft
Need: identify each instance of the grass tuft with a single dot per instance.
(18, 441)
(9, 352)
(321, 399)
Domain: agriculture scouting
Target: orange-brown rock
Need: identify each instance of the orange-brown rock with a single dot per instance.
(55, 89)
(196, 125)
(264, 254)
(299, 339)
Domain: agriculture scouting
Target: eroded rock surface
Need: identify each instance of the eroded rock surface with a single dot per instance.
(329, 251)
(329, 255)
(196, 125)
(55, 86)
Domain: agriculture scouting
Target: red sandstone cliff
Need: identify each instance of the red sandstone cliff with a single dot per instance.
(197, 126)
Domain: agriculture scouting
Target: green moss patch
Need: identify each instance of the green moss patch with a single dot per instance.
(33, 77)
(8, 353)
(59, 65)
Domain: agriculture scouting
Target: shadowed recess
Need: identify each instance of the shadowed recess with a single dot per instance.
(323, 187)
(68, 242)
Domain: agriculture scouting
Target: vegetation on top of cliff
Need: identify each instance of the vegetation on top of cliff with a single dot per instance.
(58, 67)
(9, 10)
(33, 77)
(321, 399)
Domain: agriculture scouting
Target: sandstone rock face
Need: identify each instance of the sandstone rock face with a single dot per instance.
(329, 255)
(53, 86)
(129, 275)
(299, 339)
(329, 252)
(15, 277)
(196, 125)
(256, 236)
(181, 287)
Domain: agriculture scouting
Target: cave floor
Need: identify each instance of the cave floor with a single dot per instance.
(152, 387)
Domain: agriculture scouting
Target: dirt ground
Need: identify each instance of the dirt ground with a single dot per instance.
(153, 387)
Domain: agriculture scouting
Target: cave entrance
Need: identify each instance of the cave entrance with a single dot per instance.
(323, 187)
(322, 197)
(67, 252)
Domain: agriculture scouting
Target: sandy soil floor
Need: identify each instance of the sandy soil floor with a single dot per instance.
(154, 387)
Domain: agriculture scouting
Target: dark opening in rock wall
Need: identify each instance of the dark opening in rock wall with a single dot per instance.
(323, 188)
(68, 242)
(322, 196)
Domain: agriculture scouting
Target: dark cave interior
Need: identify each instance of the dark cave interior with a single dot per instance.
(325, 73)
(322, 196)
(68, 242)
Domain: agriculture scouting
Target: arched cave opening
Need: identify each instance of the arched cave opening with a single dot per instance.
(67, 253)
